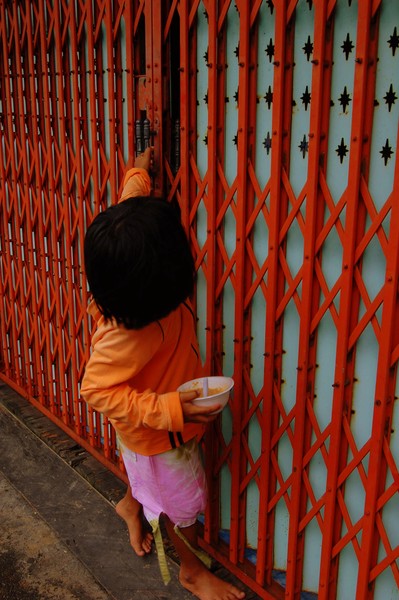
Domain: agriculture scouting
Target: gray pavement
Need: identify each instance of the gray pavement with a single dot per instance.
(34, 563)
(60, 538)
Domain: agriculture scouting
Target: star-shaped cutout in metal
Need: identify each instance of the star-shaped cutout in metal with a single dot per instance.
(206, 98)
(347, 46)
(237, 51)
(267, 143)
(390, 97)
(205, 140)
(393, 41)
(308, 48)
(236, 96)
(342, 150)
(344, 99)
(386, 152)
(303, 146)
(306, 97)
(269, 97)
(235, 140)
(270, 50)
(206, 58)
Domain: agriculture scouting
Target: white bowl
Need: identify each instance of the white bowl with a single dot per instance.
(219, 389)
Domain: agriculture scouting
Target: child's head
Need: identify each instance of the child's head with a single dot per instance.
(138, 261)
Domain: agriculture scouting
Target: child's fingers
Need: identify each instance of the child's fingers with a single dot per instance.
(195, 413)
(143, 160)
(188, 396)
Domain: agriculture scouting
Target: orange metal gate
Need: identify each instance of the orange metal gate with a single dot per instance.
(275, 125)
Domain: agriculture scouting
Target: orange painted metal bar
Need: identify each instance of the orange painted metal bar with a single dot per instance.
(120, 133)
(81, 87)
(218, 444)
(325, 47)
(98, 102)
(154, 92)
(42, 220)
(62, 254)
(129, 76)
(282, 86)
(249, 403)
(238, 465)
(51, 251)
(94, 201)
(109, 71)
(8, 332)
(79, 298)
(185, 111)
(96, 171)
(373, 529)
(309, 301)
(211, 202)
(29, 304)
(17, 302)
(74, 221)
(283, 295)
(210, 181)
(5, 158)
(349, 304)
(157, 94)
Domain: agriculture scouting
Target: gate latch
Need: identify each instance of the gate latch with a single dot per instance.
(143, 135)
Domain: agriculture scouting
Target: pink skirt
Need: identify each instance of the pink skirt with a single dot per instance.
(172, 483)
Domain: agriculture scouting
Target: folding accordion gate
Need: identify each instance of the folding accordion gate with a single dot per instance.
(274, 124)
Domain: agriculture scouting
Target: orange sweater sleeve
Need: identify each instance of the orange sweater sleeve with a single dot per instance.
(117, 356)
(136, 183)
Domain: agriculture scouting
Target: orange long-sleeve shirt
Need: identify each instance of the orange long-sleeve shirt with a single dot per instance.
(132, 375)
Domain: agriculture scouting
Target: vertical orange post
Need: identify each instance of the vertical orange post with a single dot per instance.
(349, 305)
(273, 331)
(309, 302)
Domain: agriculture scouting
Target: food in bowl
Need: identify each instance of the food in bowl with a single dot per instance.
(212, 390)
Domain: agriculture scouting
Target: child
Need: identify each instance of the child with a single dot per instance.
(141, 272)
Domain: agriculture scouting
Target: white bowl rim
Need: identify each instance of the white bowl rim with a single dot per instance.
(214, 378)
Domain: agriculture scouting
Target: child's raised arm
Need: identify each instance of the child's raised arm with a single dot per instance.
(137, 181)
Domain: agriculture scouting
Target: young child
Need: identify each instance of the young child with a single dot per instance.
(141, 272)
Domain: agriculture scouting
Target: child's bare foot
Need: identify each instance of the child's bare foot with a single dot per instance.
(207, 586)
(131, 512)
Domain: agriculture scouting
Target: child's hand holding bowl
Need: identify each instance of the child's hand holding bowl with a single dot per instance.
(203, 398)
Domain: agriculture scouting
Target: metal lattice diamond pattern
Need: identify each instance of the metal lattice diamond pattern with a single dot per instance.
(275, 127)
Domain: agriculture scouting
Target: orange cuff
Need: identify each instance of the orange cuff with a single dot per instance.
(136, 183)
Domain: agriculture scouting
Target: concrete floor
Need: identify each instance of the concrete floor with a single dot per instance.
(34, 563)
(60, 538)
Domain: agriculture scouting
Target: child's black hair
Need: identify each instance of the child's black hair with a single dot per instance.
(138, 261)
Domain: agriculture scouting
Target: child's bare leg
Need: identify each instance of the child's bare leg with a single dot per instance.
(194, 576)
(131, 511)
